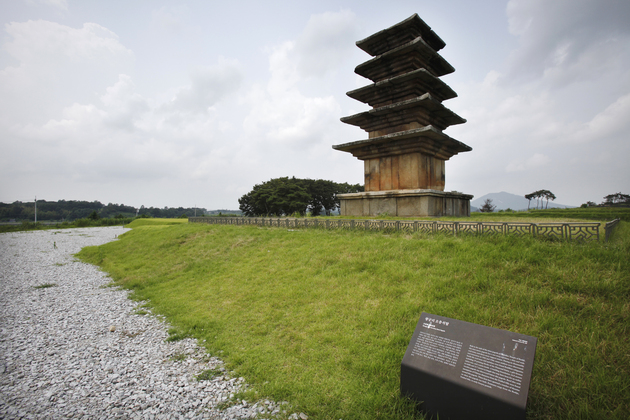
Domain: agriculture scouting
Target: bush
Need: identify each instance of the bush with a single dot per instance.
(487, 206)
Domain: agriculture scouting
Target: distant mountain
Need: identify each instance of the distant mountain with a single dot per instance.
(504, 200)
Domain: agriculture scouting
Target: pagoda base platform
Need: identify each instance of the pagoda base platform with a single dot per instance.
(406, 203)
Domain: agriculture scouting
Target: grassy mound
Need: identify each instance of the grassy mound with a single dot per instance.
(322, 319)
(156, 222)
(591, 213)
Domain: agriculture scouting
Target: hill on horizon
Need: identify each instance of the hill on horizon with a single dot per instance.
(504, 200)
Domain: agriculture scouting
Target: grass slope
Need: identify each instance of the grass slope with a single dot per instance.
(591, 213)
(322, 319)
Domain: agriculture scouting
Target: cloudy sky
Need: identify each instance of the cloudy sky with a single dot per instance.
(183, 103)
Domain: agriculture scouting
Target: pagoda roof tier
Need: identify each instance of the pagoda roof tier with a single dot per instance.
(403, 87)
(427, 140)
(399, 34)
(423, 110)
(413, 55)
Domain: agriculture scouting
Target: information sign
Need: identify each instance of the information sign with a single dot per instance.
(464, 370)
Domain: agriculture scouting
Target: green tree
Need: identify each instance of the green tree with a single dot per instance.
(324, 194)
(529, 198)
(277, 197)
(546, 194)
(285, 196)
(617, 198)
(487, 206)
(540, 195)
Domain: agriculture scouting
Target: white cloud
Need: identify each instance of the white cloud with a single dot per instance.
(124, 136)
(326, 41)
(125, 105)
(56, 65)
(170, 20)
(36, 41)
(96, 127)
(72, 118)
(611, 123)
(535, 161)
(209, 85)
(566, 41)
(553, 117)
(57, 4)
(280, 114)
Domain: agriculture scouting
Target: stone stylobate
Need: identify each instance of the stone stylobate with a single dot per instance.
(405, 153)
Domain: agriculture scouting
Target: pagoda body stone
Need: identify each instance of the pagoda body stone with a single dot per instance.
(405, 153)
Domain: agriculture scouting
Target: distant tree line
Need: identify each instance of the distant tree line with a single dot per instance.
(287, 196)
(70, 210)
(170, 212)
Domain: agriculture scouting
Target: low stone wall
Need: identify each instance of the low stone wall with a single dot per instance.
(610, 227)
(575, 231)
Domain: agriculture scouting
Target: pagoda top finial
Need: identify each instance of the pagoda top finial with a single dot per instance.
(399, 34)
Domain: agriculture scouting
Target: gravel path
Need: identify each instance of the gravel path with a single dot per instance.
(78, 349)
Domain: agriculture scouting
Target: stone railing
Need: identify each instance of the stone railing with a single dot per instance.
(610, 227)
(560, 230)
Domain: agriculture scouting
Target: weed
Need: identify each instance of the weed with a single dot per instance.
(179, 357)
(175, 335)
(131, 334)
(209, 374)
(223, 405)
(45, 286)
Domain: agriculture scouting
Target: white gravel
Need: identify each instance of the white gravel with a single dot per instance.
(60, 359)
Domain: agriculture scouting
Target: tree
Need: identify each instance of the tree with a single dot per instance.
(72, 210)
(324, 194)
(487, 206)
(278, 197)
(540, 195)
(617, 198)
(285, 196)
(529, 198)
(547, 195)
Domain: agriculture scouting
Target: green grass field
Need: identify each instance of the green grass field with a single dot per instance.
(591, 213)
(601, 214)
(322, 318)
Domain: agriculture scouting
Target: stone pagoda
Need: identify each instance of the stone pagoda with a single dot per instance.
(406, 150)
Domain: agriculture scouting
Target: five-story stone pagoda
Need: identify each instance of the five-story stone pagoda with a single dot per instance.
(406, 150)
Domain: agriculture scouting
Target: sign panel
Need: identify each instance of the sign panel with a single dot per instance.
(464, 370)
